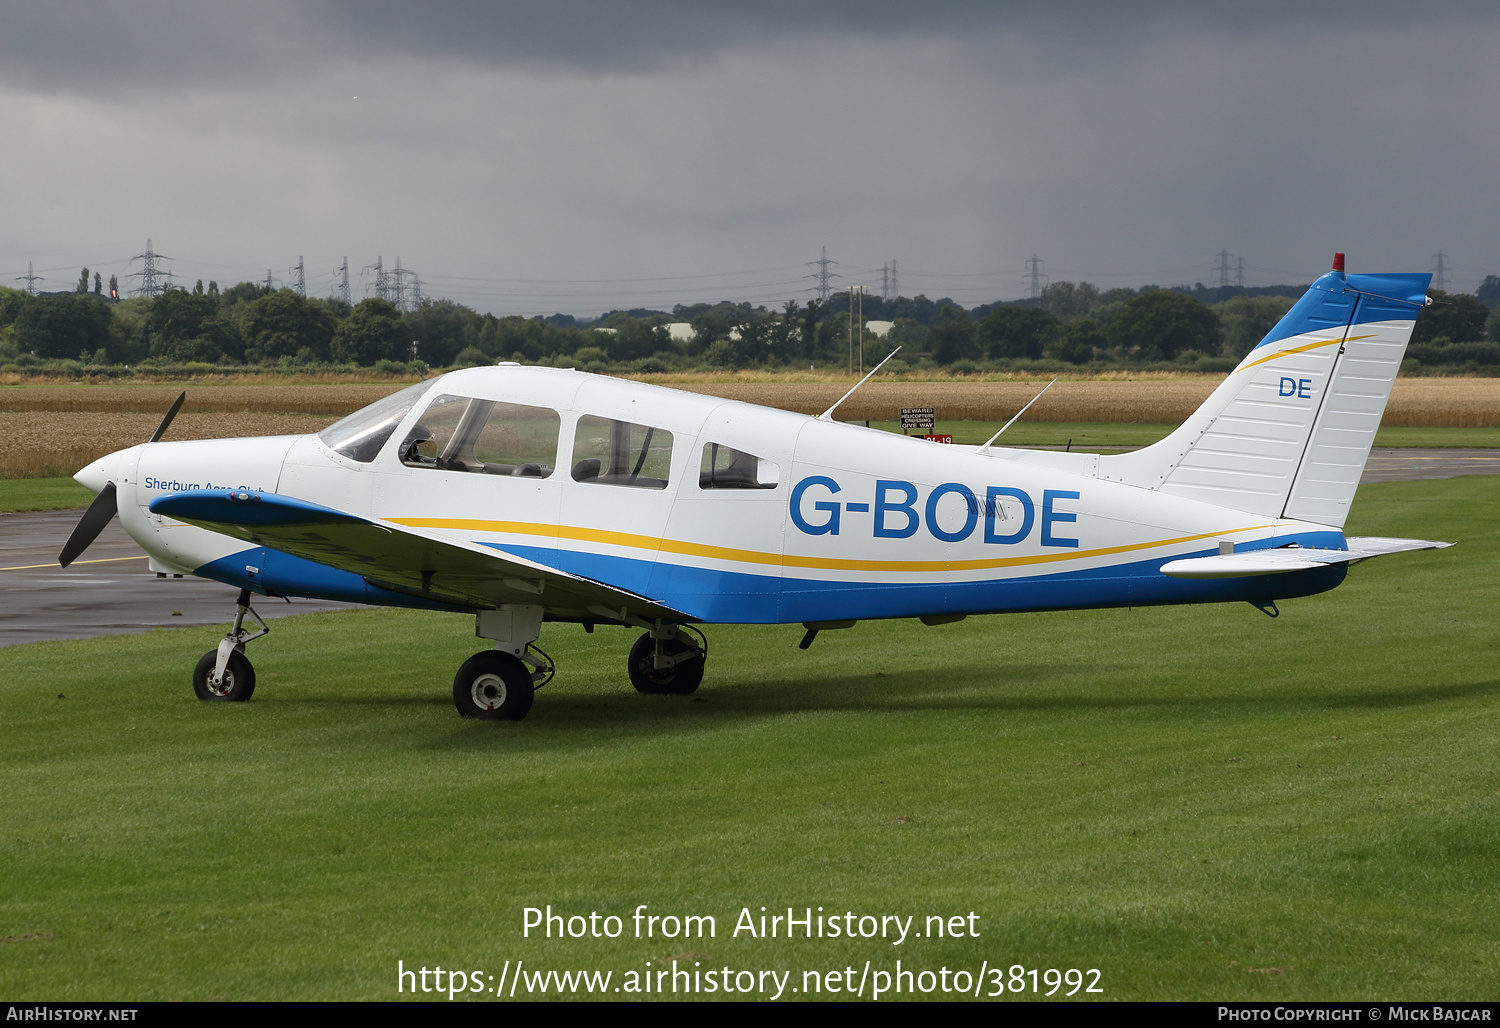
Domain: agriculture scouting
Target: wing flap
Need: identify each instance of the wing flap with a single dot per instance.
(397, 557)
(1281, 561)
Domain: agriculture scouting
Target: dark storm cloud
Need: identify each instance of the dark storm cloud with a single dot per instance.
(85, 47)
(547, 142)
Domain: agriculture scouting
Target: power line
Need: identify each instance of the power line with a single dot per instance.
(613, 281)
(381, 286)
(823, 275)
(396, 288)
(150, 273)
(1033, 277)
(889, 289)
(31, 278)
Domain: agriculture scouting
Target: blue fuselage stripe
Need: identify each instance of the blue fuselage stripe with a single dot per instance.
(737, 598)
(728, 597)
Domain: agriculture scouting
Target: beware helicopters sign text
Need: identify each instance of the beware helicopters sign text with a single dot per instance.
(916, 418)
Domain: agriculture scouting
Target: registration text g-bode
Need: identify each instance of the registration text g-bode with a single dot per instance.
(898, 510)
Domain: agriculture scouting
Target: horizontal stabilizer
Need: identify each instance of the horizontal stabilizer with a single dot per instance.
(1292, 558)
(399, 558)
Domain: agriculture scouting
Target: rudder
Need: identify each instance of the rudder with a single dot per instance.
(1288, 432)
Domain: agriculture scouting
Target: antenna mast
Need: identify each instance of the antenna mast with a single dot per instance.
(986, 447)
(827, 415)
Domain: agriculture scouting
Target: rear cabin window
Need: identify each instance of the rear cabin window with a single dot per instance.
(486, 437)
(724, 467)
(608, 452)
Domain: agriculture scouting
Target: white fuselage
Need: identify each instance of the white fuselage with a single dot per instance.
(852, 523)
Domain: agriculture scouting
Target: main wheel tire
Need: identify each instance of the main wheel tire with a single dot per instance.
(493, 686)
(239, 678)
(681, 680)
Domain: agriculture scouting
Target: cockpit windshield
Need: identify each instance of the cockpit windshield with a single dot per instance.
(361, 435)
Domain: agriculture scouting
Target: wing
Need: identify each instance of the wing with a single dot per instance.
(401, 558)
(1280, 561)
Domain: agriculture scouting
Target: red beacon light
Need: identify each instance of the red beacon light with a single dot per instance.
(1338, 262)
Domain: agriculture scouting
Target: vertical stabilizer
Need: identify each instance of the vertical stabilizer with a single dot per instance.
(1288, 432)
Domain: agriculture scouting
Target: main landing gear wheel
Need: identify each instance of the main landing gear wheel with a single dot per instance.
(493, 686)
(681, 678)
(237, 685)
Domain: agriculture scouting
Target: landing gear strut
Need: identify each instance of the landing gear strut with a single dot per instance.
(225, 674)
(499, 684)
(668, 661)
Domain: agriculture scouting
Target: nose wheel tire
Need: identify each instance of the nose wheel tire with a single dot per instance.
(238, 683)
(679, 680)
(493, 686)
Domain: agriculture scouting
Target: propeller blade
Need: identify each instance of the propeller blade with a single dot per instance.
(166, 422)
(91, 524)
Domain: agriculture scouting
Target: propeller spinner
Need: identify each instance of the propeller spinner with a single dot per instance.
(106, 505)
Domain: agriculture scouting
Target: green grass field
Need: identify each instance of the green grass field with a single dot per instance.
(18, 494)
(1200, 802)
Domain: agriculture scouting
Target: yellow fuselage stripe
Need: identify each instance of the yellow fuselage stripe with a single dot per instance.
(1304, 348)
(792, 560)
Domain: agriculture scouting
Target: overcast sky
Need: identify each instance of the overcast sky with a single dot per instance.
(583, 156)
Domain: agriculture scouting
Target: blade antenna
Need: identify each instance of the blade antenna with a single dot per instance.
(166, 422)
(827, 415)
(986, 447)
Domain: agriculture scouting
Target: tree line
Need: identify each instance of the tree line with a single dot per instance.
(1069, 324)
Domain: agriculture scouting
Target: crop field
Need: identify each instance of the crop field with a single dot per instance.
(1200, 802)
(332, 400)
(55, 430)
(1438, 402)
(44, 444)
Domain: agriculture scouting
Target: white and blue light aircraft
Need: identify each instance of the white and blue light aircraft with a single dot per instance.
(519, 495)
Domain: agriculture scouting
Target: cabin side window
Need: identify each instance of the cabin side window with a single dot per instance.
(724, 467)
(609, 452)
(487, 437)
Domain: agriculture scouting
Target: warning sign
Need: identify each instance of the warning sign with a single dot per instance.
(916, 419)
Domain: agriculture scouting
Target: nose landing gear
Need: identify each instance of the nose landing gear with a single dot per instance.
(226, 674)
